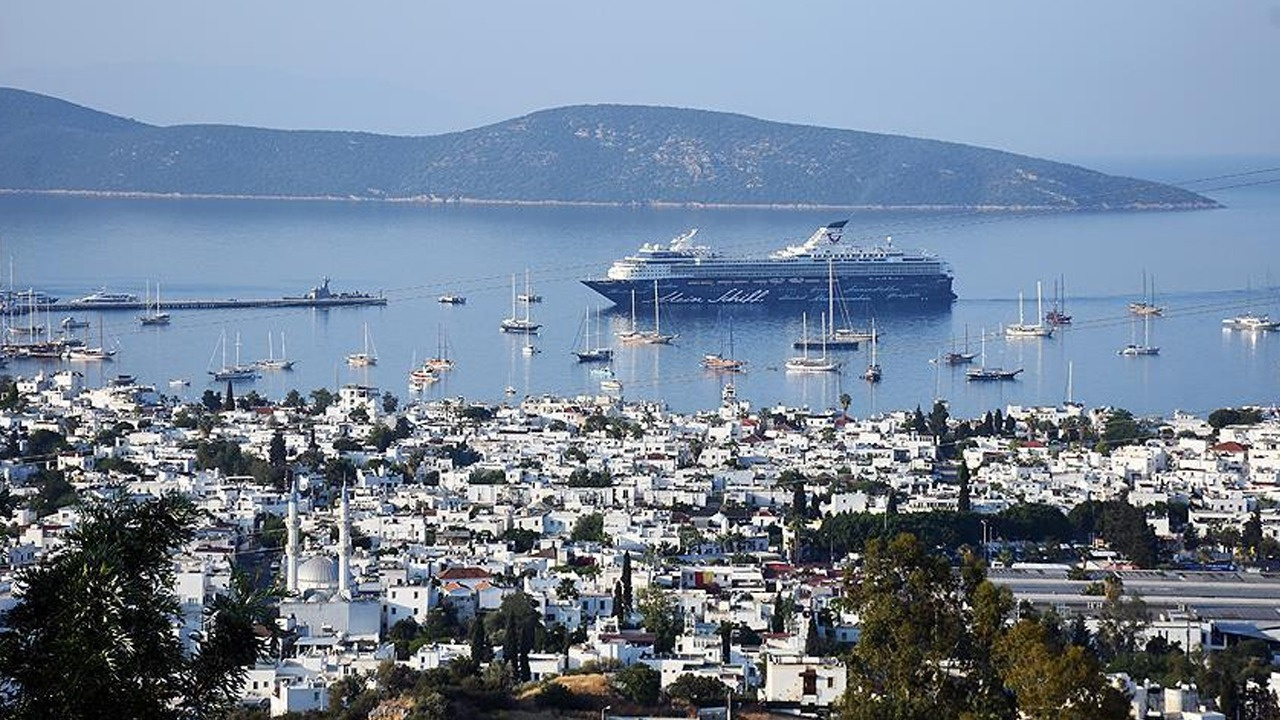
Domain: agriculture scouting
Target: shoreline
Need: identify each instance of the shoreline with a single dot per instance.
(433, 200)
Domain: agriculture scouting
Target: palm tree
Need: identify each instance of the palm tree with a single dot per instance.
(845, 401)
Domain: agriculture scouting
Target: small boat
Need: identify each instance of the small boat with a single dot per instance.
(528, 297)
(179, 382)
(89, 354)
(986, 374)
(612, 385)
(122, 380)
(1027, 330)
(806, 364)
(366, 357)
(1251, 323)
(421, 377)
(515, 324)
(529, 349)
(452, 300)
(509, 391)
(70, 322)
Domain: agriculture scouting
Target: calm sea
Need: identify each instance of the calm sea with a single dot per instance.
(1204, 266)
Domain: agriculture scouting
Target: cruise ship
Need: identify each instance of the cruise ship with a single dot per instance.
(689, 274)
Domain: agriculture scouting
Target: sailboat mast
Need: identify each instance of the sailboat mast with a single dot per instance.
(831, 295)
(657, 328)
(1039, 305)
(1071, 382)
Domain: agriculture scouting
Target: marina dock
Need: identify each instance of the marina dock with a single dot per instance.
(227, 304)
(317, 297)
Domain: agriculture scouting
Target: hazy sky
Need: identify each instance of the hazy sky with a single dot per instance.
(1072, 79)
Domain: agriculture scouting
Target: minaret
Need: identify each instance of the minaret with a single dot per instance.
(291, 550)
(344, 546)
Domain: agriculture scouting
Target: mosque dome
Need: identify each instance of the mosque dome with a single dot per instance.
(317, 573)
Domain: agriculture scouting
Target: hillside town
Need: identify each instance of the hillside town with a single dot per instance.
(714, 545)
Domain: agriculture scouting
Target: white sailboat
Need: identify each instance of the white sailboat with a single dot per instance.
(231, 372)
(82, 353)
(515, 324)
(806, 364)
(1147, 305)
(872, 373)
(647, 337)
(1133, 349)
(152, 314)
(1024, 329)
(589, 352)
(272, 362)
(367, 357)
(842, 338)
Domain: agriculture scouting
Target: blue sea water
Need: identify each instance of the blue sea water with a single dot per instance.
(1204, 265)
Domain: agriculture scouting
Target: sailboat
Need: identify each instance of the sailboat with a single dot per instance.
(81, 353)
(1146, 306)
(152, 314)
(719, 363)
(231, 372)
(589, 352)
(367, 357)
(647, 337)
(272, 362)
(1026, 330)
(955, 357)
(1133, 349)
(515, 324)
(844, 338)
(804, 363)
(441, 362)
(1057, 315)
(982, 373)
(872, 373)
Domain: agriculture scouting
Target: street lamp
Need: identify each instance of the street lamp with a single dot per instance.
(604, 710)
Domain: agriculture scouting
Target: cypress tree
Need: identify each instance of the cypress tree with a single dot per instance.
(619, 602)
(628, 603)
(963, 504)
(511, 643)
(230, 402)
(481, 651)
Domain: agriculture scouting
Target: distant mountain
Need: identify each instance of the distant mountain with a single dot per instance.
(617, 154)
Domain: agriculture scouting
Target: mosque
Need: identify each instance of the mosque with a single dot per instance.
(321, 599)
